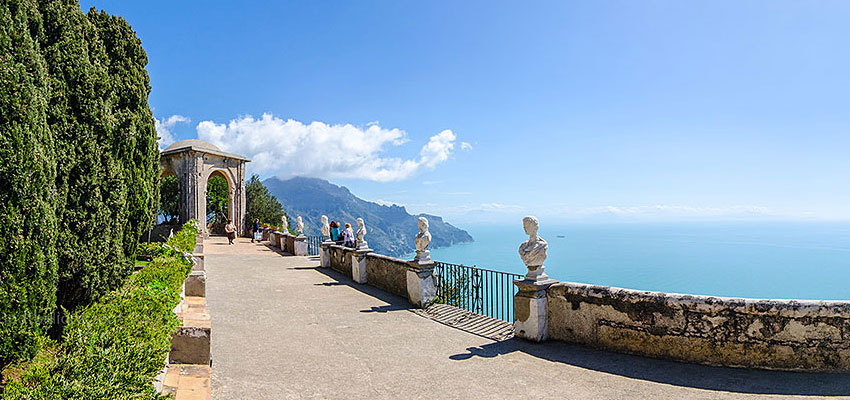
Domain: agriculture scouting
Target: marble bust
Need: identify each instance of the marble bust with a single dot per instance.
(422, 240)
(533, 251)
(326, 229)
(299, 225)
(361, 232)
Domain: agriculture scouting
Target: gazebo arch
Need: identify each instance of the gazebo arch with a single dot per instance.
(193, 162)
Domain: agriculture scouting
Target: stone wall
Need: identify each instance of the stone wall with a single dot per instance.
(772, 334)
(341, 259)
(387, 273)
(289, 241)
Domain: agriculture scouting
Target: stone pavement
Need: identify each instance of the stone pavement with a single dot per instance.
(285, 329)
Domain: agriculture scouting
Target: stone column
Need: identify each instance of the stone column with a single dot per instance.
(325, 253)
(531, 310)
(421, 288)
(358, 264)
(300, 245)
(531, 305)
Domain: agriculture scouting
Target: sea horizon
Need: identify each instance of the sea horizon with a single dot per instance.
(780, 259)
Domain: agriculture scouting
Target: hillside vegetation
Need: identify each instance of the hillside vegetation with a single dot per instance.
(390, 228)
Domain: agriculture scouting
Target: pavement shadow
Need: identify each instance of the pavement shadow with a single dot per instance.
(673, 373)
(277, 250)
(394, 303)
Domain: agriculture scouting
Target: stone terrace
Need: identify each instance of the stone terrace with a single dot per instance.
(284, 328)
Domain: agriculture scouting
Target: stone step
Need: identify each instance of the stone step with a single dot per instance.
(190, 343)
(187, 382)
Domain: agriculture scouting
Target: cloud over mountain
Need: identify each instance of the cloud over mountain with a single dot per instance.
(289, 148)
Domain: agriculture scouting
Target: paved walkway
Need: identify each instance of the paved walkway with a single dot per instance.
(283, 328)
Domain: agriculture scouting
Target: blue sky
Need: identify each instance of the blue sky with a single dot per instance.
(614, 110)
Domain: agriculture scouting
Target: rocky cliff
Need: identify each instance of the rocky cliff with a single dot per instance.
(390, 228)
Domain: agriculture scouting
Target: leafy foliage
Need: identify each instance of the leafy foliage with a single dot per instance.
(27, 174)
(79, 161)
(169, 198)
(114, 348)
(218, 200)
(106, 145)
(260, 204)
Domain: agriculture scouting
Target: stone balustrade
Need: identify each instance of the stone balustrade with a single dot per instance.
(768, 334)
(772, 334)
(408, 279)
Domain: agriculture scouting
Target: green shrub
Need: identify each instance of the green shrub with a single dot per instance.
(27, 174)
(114, 349)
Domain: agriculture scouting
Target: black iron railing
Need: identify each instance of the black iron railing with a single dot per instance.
(314, 244)
(481, 291)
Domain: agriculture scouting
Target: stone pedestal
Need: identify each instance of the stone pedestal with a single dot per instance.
(325, 254)
(422, 256)
(531, 308)
(198, 262)
(300, 245)
(190, 345)
(196, 284)
(421, 288)
(281, 241)
(358, 264)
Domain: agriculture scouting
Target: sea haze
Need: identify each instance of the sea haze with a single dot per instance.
(780, 260)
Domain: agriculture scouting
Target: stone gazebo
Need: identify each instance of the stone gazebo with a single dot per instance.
(194, 162)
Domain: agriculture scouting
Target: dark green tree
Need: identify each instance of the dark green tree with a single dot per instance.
(27, 175)
(105, 147)
(260, 203)
(169, 198)
(217, 203)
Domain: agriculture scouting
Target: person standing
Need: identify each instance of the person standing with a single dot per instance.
(230, 230)
(256, 229)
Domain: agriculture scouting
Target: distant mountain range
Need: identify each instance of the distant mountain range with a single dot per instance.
(390, 229)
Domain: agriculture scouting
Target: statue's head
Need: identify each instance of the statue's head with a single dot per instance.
(360, 222)
(531, 224)
(324, 219)
(423, 224)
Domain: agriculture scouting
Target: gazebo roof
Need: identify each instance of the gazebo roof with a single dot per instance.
(199, 146)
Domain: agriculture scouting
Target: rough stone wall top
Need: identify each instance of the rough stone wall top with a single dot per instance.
(775, 334)
(387, 273)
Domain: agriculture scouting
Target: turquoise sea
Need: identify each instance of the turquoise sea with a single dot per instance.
(779, 260)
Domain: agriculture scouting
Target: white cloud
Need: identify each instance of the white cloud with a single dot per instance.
(383, 202)
(163, 129)
(465, 146)
(291, 148)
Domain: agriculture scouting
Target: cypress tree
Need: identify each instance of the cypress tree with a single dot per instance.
(78, 161)
(27, 174)
(106, 150)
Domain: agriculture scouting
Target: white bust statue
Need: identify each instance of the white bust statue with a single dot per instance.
(533, 251)
(422, 240)
(299, 225)
(326, 229)
(361, 232)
